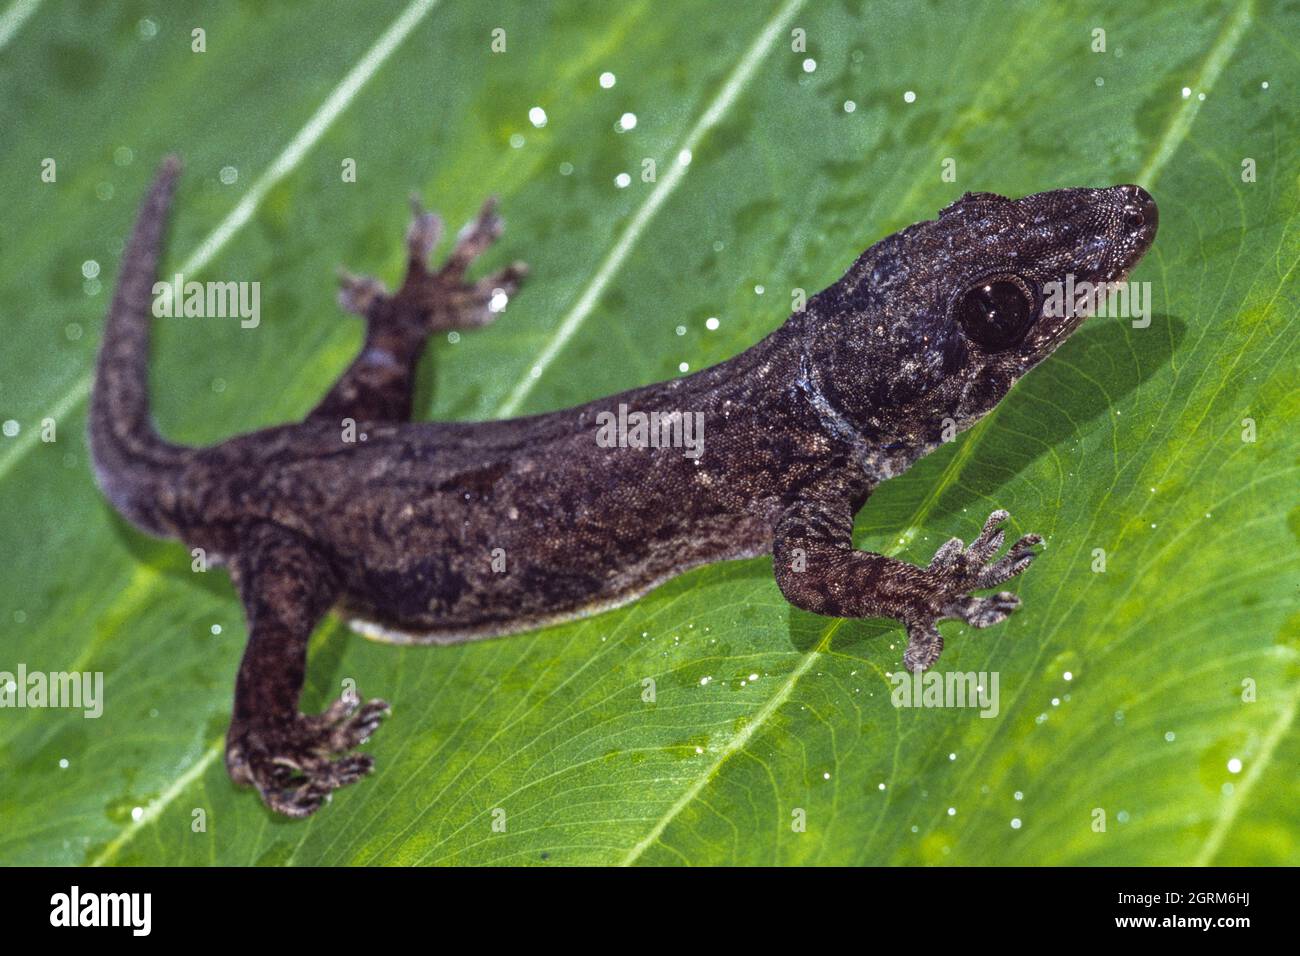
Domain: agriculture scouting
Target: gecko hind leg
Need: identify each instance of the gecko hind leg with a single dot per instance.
(294, 760)
(379, 384)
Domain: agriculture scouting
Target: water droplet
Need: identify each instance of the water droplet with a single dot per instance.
(10, 428)
(607, 80)
(537, 116)
(498, 301)
(626, 122)
(952, 811)
(622, 180)
(90, 268)
(1068, 676)
(909, 97)
(229, 175)
(1015, 823)
(809, 65)
(516, 140)
(680, 330)
(1099, 81)
(704, 681)
(711, 323)
(73, 331)
(1187, 91)
(566, 169)
(759, 290)
(137, 813)
(684, 157)
(1234, 765)
(215, 629)
(850, 106)
(63, 763)
(1169, 736)
(826, 776)
(1264, 85)
(1019, 795)
(684, 367)
(147, 28)
(123, 155)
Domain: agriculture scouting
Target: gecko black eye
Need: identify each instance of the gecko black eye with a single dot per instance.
(996, 313)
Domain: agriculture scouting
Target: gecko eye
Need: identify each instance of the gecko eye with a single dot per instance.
(996, 313)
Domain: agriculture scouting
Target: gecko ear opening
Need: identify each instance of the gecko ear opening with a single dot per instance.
(996, 312)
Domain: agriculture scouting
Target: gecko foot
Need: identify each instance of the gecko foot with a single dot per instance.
(297, 763)
(428, 300)
(955, 571)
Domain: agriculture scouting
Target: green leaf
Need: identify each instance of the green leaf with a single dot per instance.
(1161, 692)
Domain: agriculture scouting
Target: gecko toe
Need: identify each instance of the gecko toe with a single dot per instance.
(424, 232)
(1020, 556)
(356, 727)
(983, 611)
(360, 294)
(924, 645)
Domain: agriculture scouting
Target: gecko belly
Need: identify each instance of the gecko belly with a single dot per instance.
(389, 632)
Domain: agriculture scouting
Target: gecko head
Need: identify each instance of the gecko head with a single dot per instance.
(1011, 301)
(938, 321)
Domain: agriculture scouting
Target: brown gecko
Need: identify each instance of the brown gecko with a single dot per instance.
(449, 531)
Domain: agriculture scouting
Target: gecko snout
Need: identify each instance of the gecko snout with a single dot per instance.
(1139, 211)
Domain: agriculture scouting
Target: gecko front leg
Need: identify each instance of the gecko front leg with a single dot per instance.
(295, 760)
(818, 570)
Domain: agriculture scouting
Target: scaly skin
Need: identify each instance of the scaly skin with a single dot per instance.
(441, 532)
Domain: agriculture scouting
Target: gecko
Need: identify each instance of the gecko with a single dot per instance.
(441, 532)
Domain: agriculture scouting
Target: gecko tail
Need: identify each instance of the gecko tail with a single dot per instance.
(135, 467)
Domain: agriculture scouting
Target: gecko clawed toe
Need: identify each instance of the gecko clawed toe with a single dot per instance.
(438, 532)
(359, 294)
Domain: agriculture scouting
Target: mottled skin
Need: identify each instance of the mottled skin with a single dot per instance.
(398, 528)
